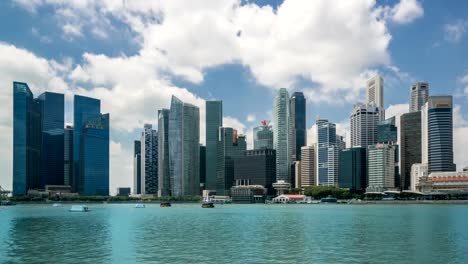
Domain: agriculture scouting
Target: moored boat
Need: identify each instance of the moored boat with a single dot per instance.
(207, 205)
(140, 205)
(79, 208)
(165, 204)
(328, 199)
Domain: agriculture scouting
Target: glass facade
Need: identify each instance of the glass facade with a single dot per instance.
(26, 139)
(299, 127)
(184, 152)
(353, 169)
(282, 135)
(214, 120)
(410, 142)
(256, 167)
(263, 137)
(202, 165)
(381, 168)
(164, 178)
(68, 156)
(83, 108)
(149, 160)
(328, 153)
(52, 144)
(387, 131)
(94, 156)
(137, 167)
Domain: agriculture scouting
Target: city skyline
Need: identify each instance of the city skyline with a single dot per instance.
(92, 72)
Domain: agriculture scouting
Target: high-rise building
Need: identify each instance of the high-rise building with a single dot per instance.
(68, 156)
(308, 166)
(83, 109)
(230, 147)
(387, 131)
(52, 138)
(410, 145)
(353, 169)
(202, 166)
(149, 160)
(137, 167)
(184, 148)
(26, 139)
(256, 167)
(214, 120)
(282, 135)
(298, 124)
(419, 94)
(375, 94)
(418, 170)
(164, 176)
(263, 136)
(364, 121)
(327, 154)
(381, 168)
(340, 142)
(439, 113)
(94, 156)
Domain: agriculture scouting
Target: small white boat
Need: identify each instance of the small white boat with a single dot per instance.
(79, 208)
(140, 206)
(57, 205)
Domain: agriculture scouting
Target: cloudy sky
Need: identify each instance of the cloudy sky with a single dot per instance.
(133, 55)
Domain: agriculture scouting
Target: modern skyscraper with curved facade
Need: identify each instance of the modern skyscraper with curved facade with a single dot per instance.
(184, 148)
(282, 135)
(263, 136)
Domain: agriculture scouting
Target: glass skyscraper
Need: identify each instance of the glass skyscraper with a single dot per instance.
(387, 131)
(353, 169)
(298, 124)
(68, 156)
(52, 143)
(282, 135)
(419, 94)
(184, 152)
(26, 139)
(94, 156)
(263, 136)
(83, 108)
(363, 123)
(137, 167)
(149, 160)
(164, 178)
(328, 153)
(214, 120)
(410, 143)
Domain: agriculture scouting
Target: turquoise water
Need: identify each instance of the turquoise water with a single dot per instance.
(186, 233)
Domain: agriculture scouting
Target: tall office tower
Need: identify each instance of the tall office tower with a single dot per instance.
(439, 128)
(298, 124)
(137, 167)
(263, 136)
(308, 166)
(214, 120)
(328, 154)
(164, 176)
(68, 156)
(184, 148)
(83, 109)
(353, 169)
(256, 167)
(381, 168)
(202, 166)
(94, 156)
(282, 136)
(410, 146)
(387, 131)
(375, 94)
(340, 142)
(230, 147)
(364, 120)
(26, 139)
(419, 95)
(149, 160)
(52, 143)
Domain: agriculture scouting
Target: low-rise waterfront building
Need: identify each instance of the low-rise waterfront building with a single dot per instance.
(445, 182)
(123, 191)
(418, 170)
(289, 198)
(248, 194)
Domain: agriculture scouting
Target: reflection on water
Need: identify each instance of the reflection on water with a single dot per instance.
(186, 233)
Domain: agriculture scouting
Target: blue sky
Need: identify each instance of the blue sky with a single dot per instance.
(133, 56)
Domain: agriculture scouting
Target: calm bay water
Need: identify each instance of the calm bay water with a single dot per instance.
(187, 233)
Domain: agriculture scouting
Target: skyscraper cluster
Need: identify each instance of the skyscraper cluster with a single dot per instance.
(46, 153)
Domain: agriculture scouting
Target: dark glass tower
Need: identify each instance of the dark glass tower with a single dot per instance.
(410, 141)
(137, 167)
(84, 108)
(263, 136)
(387, 131)
(68, 156)
(164, 177)
(52, 144)
(202, 165)
(214, 120)
(298, 122)
(26, 139)
(94, 156)
(353, 169)
(256, 167)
